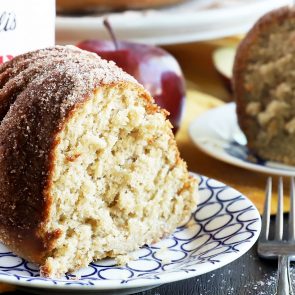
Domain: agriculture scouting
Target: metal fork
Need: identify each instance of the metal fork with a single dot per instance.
(282, 249)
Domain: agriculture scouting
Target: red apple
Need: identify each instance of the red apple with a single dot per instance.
(156, 69)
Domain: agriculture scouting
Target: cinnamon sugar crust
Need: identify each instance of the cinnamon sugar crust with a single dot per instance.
(38, 97)
(43, 96)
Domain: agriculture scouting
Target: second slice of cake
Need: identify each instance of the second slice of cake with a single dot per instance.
(264, 85)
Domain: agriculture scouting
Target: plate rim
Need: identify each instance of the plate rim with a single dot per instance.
(225, 157)
(199, 22)
(137, 283)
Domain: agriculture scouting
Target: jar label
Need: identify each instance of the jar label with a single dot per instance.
(25, 25)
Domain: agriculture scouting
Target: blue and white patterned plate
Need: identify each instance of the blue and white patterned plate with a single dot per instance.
(223, 227)
(218, 134)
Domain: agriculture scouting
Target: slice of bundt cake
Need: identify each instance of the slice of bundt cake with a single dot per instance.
(264, 86)
(89, 167)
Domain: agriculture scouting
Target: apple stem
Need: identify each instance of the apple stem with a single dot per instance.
(108, 26)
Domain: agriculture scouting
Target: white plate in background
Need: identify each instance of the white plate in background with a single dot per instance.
(194, 20)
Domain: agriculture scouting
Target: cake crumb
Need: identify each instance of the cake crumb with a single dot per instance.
(122, 260)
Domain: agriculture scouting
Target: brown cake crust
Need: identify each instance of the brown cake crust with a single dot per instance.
(17, 74)
(78, 6)
(42, 102)
(242, 60)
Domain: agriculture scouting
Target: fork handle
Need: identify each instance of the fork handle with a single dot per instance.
(284, 286)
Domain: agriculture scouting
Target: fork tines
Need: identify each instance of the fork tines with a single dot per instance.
(279, 245)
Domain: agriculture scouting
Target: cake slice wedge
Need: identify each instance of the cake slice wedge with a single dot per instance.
(89, 167)
(264, 85)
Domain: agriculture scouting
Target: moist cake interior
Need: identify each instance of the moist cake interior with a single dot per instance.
(116, 183)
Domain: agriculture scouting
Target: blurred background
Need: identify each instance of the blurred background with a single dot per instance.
(189, 29)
